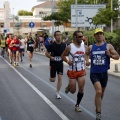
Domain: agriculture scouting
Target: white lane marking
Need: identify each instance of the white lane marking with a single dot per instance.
(74, 102)
(61, 115)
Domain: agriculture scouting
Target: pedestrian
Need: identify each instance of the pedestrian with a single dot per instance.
(54, 52)
(67, 39)
(76, 70)
(100, 54)
(47, 42)
(30, 47)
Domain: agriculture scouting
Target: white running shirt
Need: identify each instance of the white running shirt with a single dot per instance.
(77, 56)
(22, 44)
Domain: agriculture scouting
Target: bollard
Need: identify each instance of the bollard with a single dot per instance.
(116, 68)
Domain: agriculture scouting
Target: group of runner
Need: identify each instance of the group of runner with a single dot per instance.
(15, 47)
(76, 55)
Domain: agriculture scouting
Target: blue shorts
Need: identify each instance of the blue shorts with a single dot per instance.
(101, 77)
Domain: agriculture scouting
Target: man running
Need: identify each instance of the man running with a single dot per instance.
(100, 54)
(3, 45)
(76, 70)
(54, 52)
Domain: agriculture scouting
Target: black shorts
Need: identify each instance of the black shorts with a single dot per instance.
(101, 77)
(21, 50)
(56, 68)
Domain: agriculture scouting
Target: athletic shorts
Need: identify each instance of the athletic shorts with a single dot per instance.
(14, 51)
(31, 51)
(101, 77)
(76, 74)
(21, 50)
(56, 68)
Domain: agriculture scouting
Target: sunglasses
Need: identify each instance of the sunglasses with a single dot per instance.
(79, 36)
(99, 33)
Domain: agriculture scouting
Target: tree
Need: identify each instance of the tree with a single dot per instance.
(24, 13)
(102, 17)
(105, 15)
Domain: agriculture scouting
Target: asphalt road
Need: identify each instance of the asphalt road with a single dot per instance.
(27, 94)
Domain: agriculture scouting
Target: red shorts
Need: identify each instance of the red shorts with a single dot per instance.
(76, 74)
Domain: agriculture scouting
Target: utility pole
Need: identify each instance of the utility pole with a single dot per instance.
(52, 11)
(13, 21)
(76, 14)
(111, 18)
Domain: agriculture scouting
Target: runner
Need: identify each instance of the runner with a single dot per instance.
(30, 47)
(76, 70)
(15, 43)
(54, 52)
(3, 45)
(100, 54)
(22, 47)
(9, 39)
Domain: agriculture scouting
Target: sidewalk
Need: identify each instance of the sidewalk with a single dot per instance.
(114, 66)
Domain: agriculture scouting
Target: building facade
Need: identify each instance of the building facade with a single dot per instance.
(20, 24)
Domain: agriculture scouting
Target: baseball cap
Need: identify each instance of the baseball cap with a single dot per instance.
(98, 30)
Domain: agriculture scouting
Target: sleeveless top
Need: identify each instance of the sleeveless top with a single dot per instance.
(77, 56)
(16, 45)
(99, 60)
(3, 43)
(30, 44)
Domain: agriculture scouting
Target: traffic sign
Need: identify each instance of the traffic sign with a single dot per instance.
(31, 24)
(84, 15)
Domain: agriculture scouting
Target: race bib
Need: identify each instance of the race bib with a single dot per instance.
(58, 58)
(30, 45)
(17, 45)
(98, 60)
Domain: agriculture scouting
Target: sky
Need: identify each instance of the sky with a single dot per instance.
(20, 5)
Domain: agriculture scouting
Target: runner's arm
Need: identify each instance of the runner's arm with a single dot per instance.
(66, 53)
(87, 53)
(111, 52)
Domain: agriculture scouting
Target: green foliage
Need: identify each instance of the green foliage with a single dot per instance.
(24, 13)
(112, 38)
(58, 17)
(105, 15)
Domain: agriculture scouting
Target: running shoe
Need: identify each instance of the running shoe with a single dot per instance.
(58, 96)
(67, 89)
(14, 64)
(98, 116)
(17, 64)
(77, 109)
(30, 65)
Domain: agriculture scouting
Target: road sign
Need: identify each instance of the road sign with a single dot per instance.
(85, 13)
(31, 24)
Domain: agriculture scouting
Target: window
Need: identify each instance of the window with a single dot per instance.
(26, 25)
(2, 25)
(43, 24)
